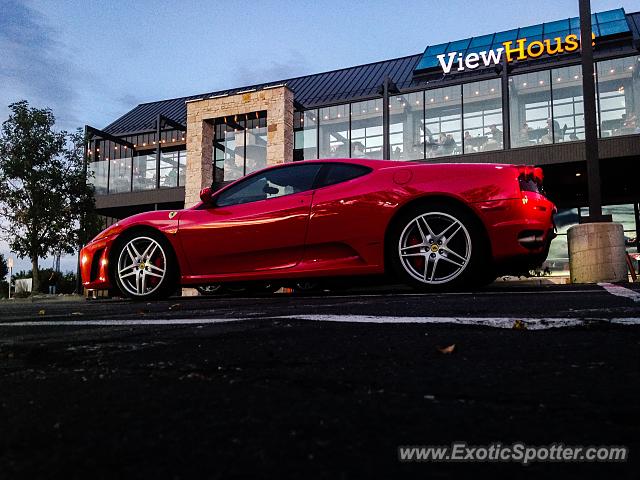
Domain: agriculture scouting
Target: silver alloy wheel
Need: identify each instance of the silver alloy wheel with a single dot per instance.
(142, 265)
(434, 248)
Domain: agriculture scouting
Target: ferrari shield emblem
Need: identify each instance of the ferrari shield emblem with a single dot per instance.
(172, 214)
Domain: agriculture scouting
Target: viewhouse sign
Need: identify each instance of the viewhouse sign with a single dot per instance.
(513, 50)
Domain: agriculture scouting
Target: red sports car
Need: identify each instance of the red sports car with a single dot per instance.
(432, 226)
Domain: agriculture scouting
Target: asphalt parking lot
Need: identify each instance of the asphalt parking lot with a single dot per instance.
(317, 386)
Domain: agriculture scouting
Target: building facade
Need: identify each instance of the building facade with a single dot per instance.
(506, 97)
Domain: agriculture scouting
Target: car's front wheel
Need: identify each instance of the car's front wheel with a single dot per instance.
(145, 266)
(439, 246)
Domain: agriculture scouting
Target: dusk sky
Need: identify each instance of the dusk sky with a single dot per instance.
(91, 61)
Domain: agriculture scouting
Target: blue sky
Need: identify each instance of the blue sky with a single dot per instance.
(93, 61)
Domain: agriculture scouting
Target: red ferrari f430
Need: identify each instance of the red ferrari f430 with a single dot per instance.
(432, 226)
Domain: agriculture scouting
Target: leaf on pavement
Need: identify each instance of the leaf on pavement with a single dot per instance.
(41, 312)
(448, 349)
(519, 325)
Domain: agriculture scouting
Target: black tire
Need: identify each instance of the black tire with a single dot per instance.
(156, 284)
(437, 246)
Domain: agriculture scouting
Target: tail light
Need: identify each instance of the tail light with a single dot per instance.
(530, 179)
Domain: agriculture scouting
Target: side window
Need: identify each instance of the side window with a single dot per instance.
(341, 172)
(270, 184)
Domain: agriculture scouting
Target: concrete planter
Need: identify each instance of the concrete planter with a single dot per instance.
(597, 253)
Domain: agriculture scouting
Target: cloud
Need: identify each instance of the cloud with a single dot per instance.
(35, 63)
(294, 65)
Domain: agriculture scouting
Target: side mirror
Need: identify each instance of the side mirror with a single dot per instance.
(205, 195)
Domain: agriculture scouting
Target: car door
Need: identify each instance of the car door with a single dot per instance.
(257, 224)
(347, 220)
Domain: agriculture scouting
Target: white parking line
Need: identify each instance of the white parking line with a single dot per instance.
(495, 322)
(620, 291)
(121, 323)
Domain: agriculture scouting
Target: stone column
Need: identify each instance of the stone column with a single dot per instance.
(199, 169)
(277, 102)
(597, 253)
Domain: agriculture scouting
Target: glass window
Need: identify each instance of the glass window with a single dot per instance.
(334, 132)
(612, 28)
(443, 121)
(306, 135)
(530, 109)
(341, 172)
(619, 96)
(270, 184)
(481, 41)
(144, 172)
(506, 36)
(406, 126)
(568, 106)
(229, 147)
(366, 129)
(482, 116)
(99, 180)
(256, 142)
(169, 169)
(120, 175)
(529, 32)
(182, 169)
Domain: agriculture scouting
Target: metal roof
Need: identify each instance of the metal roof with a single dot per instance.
(311, 90)
(336, 86)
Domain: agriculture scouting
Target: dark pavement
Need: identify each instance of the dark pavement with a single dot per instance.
(268, 397)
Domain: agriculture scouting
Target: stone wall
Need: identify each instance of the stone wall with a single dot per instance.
(278, 103)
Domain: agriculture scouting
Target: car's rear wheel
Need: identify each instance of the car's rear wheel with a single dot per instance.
(439, 246)
(145, 266)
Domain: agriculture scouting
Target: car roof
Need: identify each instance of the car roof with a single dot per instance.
(379, 164)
